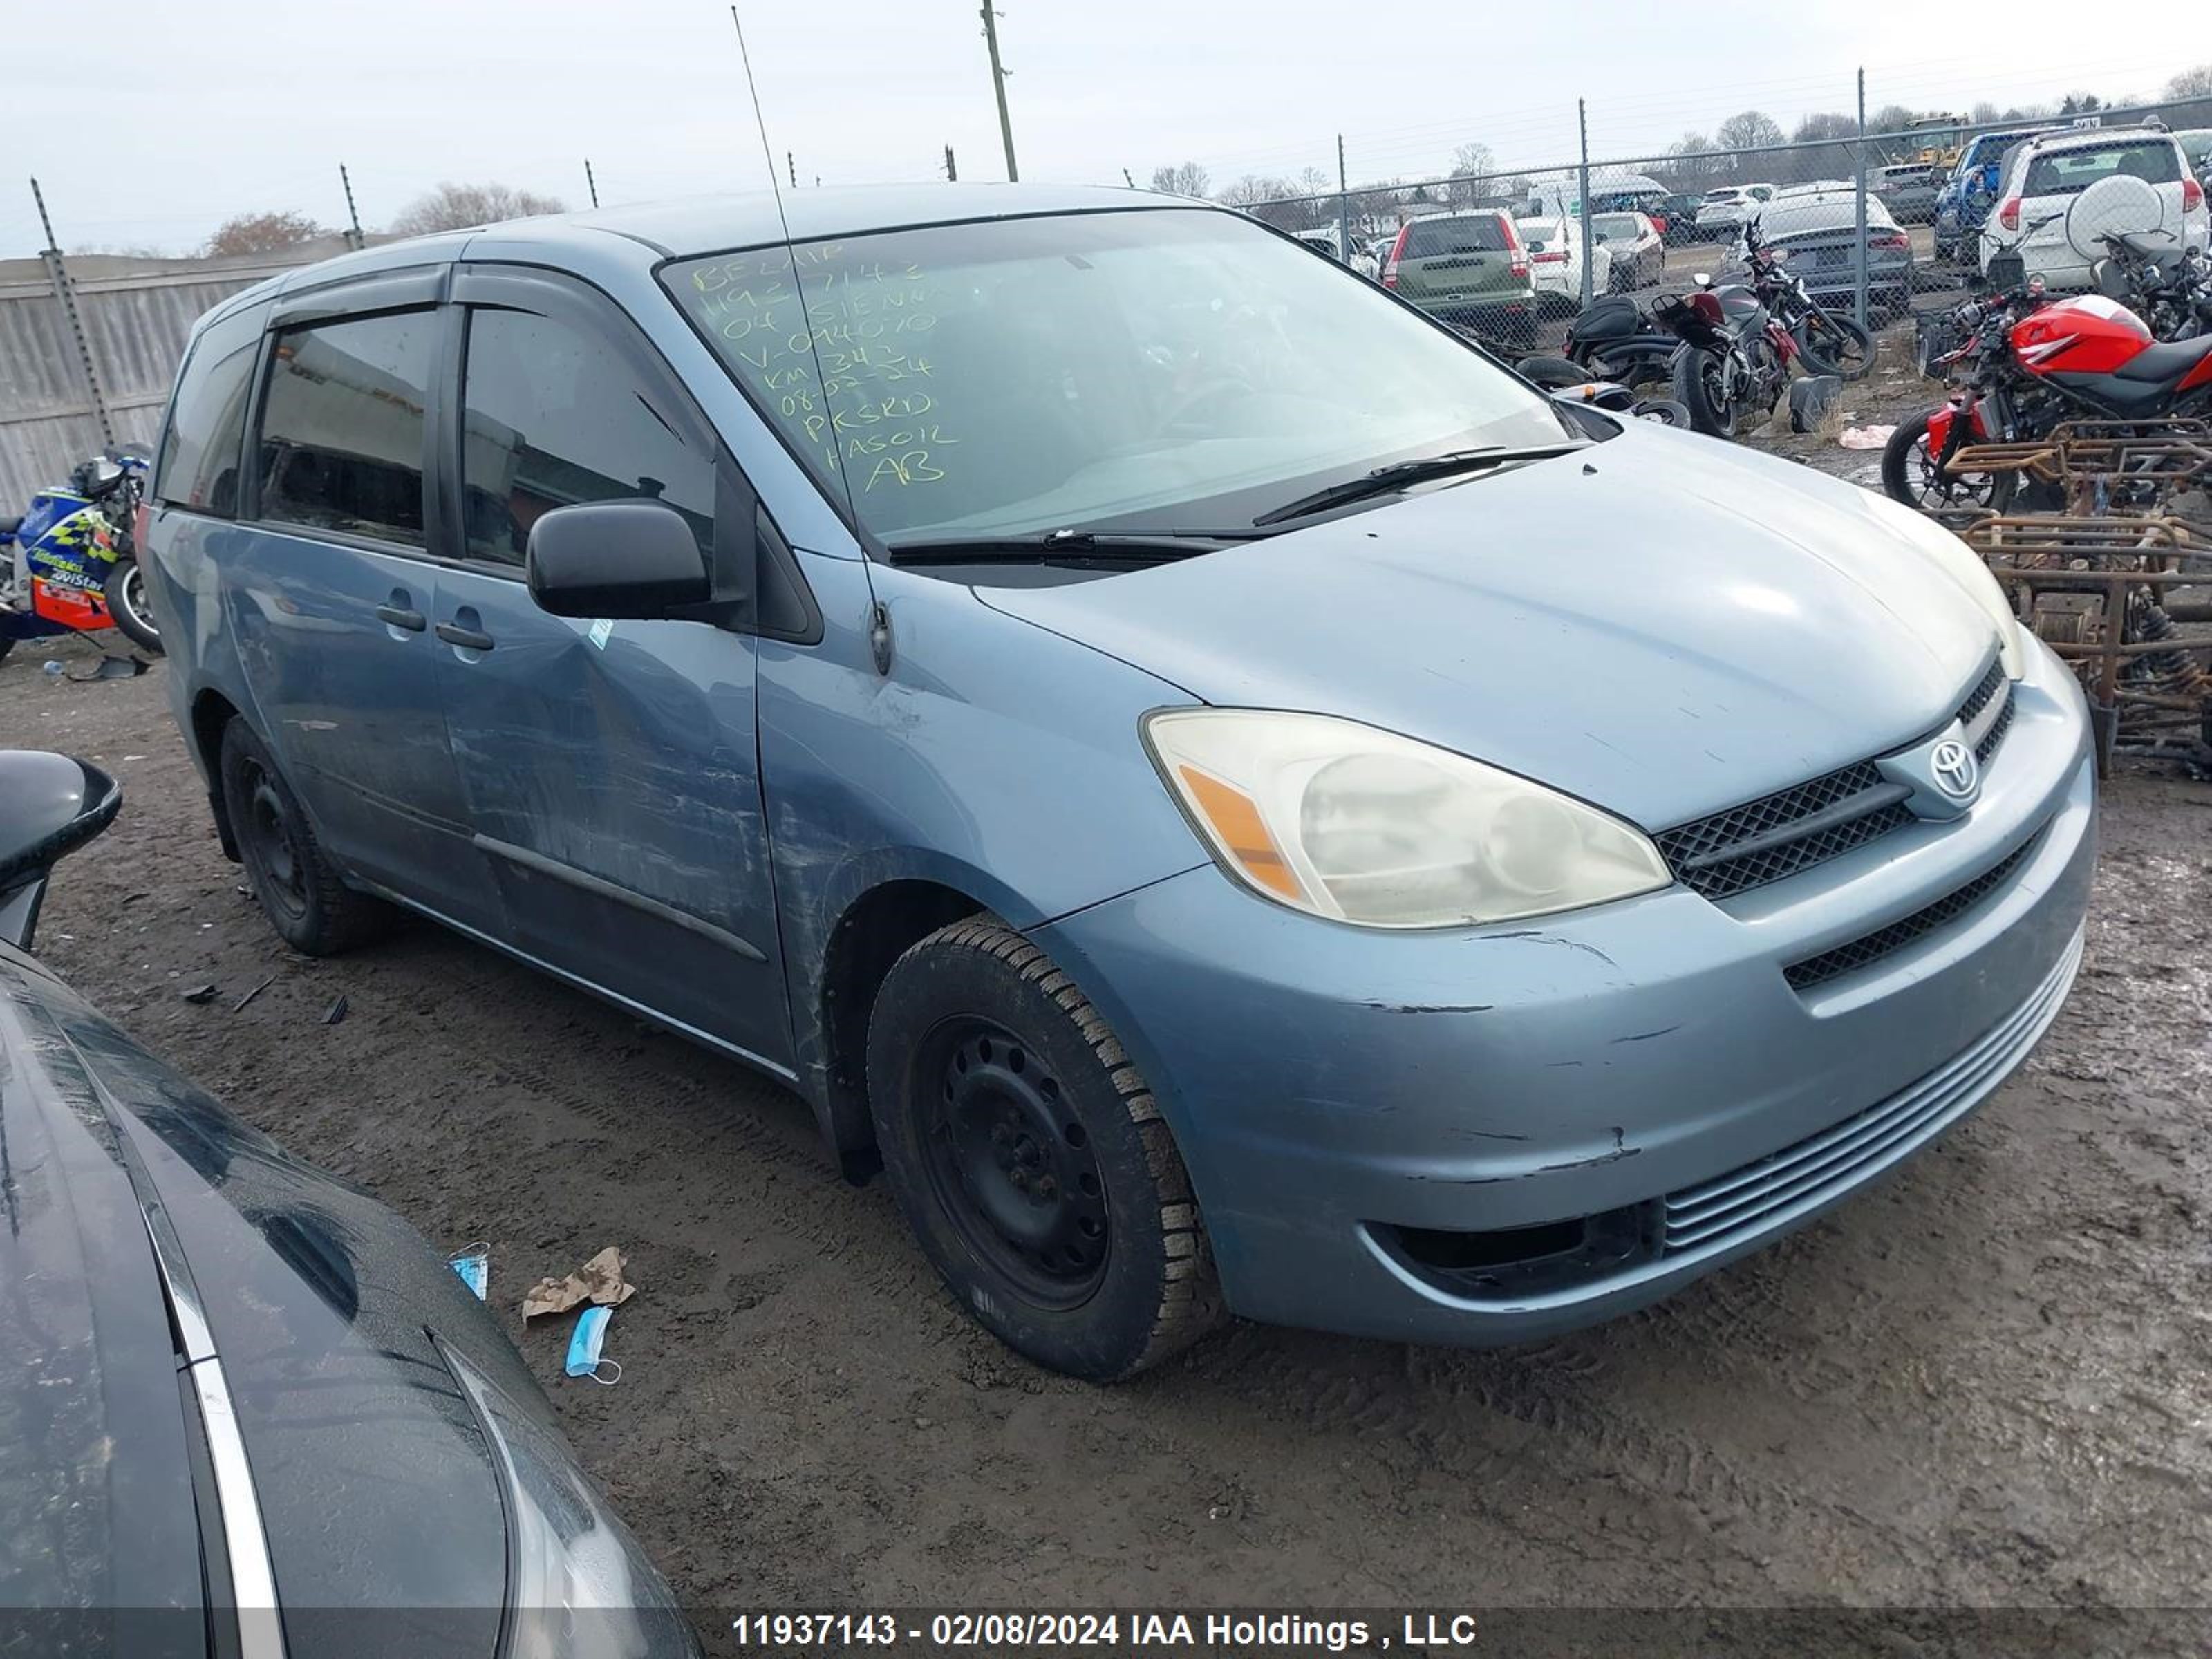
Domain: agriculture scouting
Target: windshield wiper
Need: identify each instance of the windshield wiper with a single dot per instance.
(1399, 474)
(1123, 547)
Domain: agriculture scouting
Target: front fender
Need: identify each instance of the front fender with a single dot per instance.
(995, 759)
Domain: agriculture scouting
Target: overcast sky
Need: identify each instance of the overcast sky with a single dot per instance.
(164, 119)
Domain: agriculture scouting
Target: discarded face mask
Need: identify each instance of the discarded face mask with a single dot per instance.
(584, 1347)
(473, 1263)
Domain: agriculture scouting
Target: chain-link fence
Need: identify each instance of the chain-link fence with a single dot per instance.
(1874, 221)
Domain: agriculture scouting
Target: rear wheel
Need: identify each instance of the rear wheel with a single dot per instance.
(1909, 474)
(1029, 1159)
(1834, 345)
(299, 889)
(1698, 387)
(125, 593)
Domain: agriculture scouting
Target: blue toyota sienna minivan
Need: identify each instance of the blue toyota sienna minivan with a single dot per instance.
(1230, 800)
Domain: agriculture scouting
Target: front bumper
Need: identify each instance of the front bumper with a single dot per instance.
(1343, 1097)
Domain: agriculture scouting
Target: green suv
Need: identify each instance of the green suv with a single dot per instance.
(1469, 270)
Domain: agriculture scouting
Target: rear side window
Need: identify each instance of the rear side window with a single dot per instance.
(2070, 172)
(342, 427)
(1434, 238)
(199, 460)
(551, 416)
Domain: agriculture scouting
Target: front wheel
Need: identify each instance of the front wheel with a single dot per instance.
(1910, 475)
(1830, 344)
(1700, 388)
(1029, 1159)
(125, 593)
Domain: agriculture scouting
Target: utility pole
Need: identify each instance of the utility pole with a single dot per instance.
(1859, 283)
(66, 297)
(1581, 125)
(791, 164)
(998, 86)
(590, 183)
(1343, 206)
(353, 236)
(1126, 179)
(951, 168)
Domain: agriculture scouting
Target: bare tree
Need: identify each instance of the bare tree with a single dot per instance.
(2192, 83)
(1750, 131)
(261, 232)
(1692, 171)
(1830, 161)
(1187, 178)
(1471, 163)
(456, 207)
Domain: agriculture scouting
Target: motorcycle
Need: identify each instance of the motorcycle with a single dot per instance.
(69, 563)
(1827, 343)
(1609, 340)
(1735, 355)
(2026, 363)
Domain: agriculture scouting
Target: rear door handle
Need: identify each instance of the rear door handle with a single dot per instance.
(468, 639)
(398, 618)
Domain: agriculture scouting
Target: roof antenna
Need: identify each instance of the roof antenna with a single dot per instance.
(797, 287)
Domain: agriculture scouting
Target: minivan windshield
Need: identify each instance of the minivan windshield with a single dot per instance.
(1151, 369)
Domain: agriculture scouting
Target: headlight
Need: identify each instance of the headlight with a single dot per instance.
(1344, 820)
(578, 1587)
(1963, 565)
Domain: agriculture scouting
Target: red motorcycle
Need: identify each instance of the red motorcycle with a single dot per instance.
(2028, 363)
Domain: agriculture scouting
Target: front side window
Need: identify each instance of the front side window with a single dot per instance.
(552, 414)
(199, 464)
(342, 427)
(1147, 370)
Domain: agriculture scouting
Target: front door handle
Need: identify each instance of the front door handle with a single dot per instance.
(468, 639)
(399, 616)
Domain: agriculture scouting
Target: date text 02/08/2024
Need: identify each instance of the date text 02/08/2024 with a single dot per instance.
(999, 1630)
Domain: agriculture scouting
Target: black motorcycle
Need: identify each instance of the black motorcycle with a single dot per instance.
(1610, 340)
(1734, 359)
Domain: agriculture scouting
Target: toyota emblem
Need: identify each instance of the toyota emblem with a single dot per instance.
(1953, 764)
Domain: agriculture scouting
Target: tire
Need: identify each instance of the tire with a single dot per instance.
(1029, 1159)
(1552, 373)
(1661, 411)
(126, 593)
(6, 645)
(298, 887)
(1697, 388)
(1830, 345)
(1908, 475)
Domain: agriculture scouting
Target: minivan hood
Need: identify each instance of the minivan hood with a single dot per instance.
(1662, 625)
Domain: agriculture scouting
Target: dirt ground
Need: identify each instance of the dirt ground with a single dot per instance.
(1983, 1384)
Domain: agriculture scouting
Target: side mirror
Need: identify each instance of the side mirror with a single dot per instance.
(634, 559)
(49, 806)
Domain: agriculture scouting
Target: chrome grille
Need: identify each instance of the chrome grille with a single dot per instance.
(1809, 823)
(1869, 948)
(1774, 1190)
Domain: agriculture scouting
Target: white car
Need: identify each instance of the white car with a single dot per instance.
(1722, 211)
(1555, 264)
(2042, 177)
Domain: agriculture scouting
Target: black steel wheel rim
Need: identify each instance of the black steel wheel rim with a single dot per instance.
(272, 838)
(1009, 1163)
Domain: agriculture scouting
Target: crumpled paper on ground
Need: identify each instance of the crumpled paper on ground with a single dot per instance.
(1865, 437)
(600, 1281)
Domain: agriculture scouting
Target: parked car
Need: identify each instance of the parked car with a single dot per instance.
(1635, 253)
(1817, 228)
(2197, 144)
(1965, 201)
(2042, 178)
(1555, 260)
(1721, 211)
(1066, 711)
(1468, 268)
(1908, 190)
(1676, 214)
(249, 1410)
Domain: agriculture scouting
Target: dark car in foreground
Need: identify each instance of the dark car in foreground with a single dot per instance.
(244, 1409)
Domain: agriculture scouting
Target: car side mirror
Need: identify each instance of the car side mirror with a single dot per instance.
(49, 806)
(620, 560)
